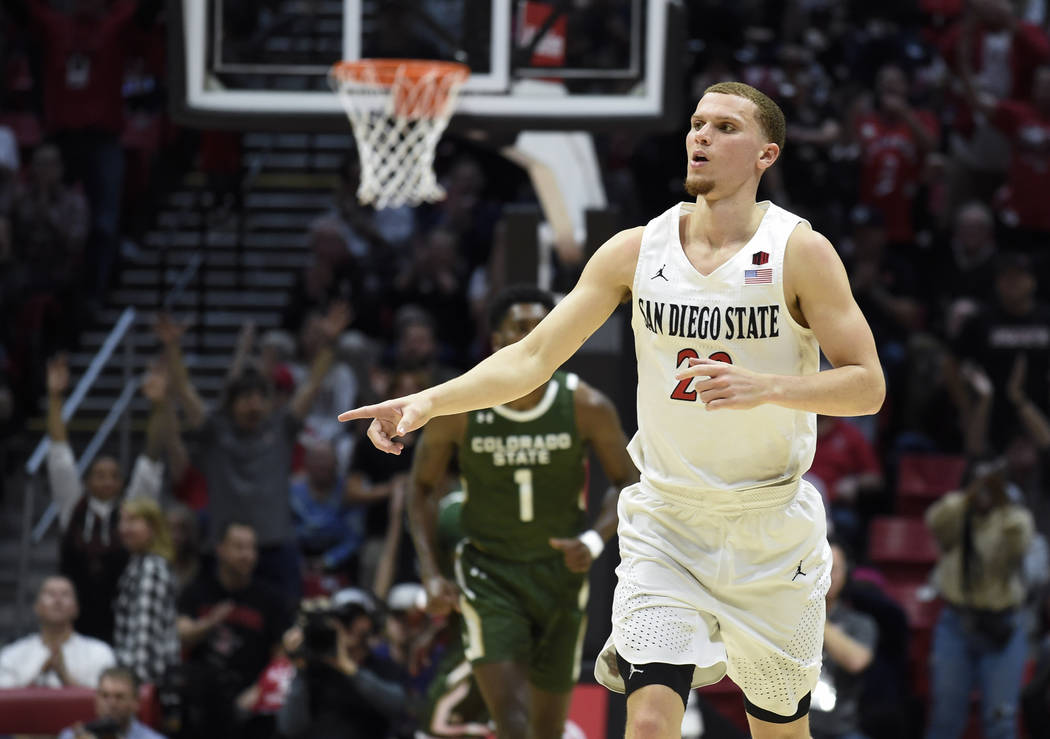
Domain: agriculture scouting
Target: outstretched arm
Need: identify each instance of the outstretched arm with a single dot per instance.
(523, 366)
(818, 294)
(57, 382)
(1033, 418)
(335, 321)
(600, 426)
(170, 334)
(61, 466)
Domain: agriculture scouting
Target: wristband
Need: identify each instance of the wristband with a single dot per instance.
(593, 541)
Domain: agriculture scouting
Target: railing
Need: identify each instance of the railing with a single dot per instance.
(120, 334)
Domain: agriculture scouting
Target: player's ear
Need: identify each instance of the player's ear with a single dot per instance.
(770, 153)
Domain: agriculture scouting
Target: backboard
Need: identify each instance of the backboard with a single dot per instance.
(556, 64)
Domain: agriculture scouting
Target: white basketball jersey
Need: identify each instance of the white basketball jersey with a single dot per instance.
(735, 314)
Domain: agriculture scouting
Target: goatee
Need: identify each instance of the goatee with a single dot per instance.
(697, 187)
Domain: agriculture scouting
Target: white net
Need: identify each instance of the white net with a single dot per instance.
(398, 111)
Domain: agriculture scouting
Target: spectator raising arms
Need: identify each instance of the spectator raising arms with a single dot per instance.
(56, 656)
(244, 449)
(145, 637)
(92, 555)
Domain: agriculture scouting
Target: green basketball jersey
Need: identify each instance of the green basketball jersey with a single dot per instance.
(524, 474)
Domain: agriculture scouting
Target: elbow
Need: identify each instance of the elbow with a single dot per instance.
(876, 394)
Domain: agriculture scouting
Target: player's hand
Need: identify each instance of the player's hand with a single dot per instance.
(723, 385)
(391, 418)
(442, 596)
(577, 556)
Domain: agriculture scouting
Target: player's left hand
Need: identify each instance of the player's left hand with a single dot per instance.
(724, 385)
(577, 555)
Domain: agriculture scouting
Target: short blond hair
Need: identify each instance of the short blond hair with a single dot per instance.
(150, 511)
(769, 114)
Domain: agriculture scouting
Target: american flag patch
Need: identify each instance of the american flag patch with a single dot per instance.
(758, 276)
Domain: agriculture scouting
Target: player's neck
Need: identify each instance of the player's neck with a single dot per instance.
(729, 221)
(527, 402)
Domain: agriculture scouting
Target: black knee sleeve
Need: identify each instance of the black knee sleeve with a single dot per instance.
(775, 718)
(678, 678)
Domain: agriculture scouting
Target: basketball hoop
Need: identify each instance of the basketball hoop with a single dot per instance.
(398, 109)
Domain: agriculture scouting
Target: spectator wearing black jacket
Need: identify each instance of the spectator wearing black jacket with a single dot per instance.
(344, 691)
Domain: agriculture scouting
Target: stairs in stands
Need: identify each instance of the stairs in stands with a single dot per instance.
(249, 262)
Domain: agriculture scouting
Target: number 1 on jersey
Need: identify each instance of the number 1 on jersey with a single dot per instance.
(523, 478)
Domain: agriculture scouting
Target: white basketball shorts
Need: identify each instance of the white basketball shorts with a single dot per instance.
(731, 582)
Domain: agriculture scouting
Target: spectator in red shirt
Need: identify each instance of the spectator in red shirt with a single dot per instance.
(894, 138)
(1022, 200)
(83, 56)
(1027, 125)
(1001, 52)
(993, 53)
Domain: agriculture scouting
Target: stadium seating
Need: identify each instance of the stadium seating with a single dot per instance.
(922, 478)
(902, 548)
(37, 710)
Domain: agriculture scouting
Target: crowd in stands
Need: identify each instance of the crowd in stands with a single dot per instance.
(251, 565)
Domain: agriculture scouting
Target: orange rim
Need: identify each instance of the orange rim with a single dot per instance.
(385, 71)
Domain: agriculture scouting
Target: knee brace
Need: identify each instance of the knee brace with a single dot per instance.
(678, 678)
(775, 718)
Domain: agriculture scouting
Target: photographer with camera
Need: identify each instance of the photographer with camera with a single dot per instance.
(342, 689)
(116, 703)
(979, 641)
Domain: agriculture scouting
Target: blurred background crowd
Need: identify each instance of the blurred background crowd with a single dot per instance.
(918, 141)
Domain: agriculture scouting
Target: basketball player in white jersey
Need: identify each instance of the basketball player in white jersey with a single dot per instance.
(724, 556)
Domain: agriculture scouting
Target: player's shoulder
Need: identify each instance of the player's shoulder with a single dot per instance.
(805, 242)
(624, 242)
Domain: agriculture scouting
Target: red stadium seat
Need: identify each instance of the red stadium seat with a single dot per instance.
(922, 478)
(922, 616)
(902, 548)
(921, 613)
(38, 710)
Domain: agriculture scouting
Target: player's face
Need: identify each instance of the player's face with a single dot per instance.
(518, 323)
(725, 145)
